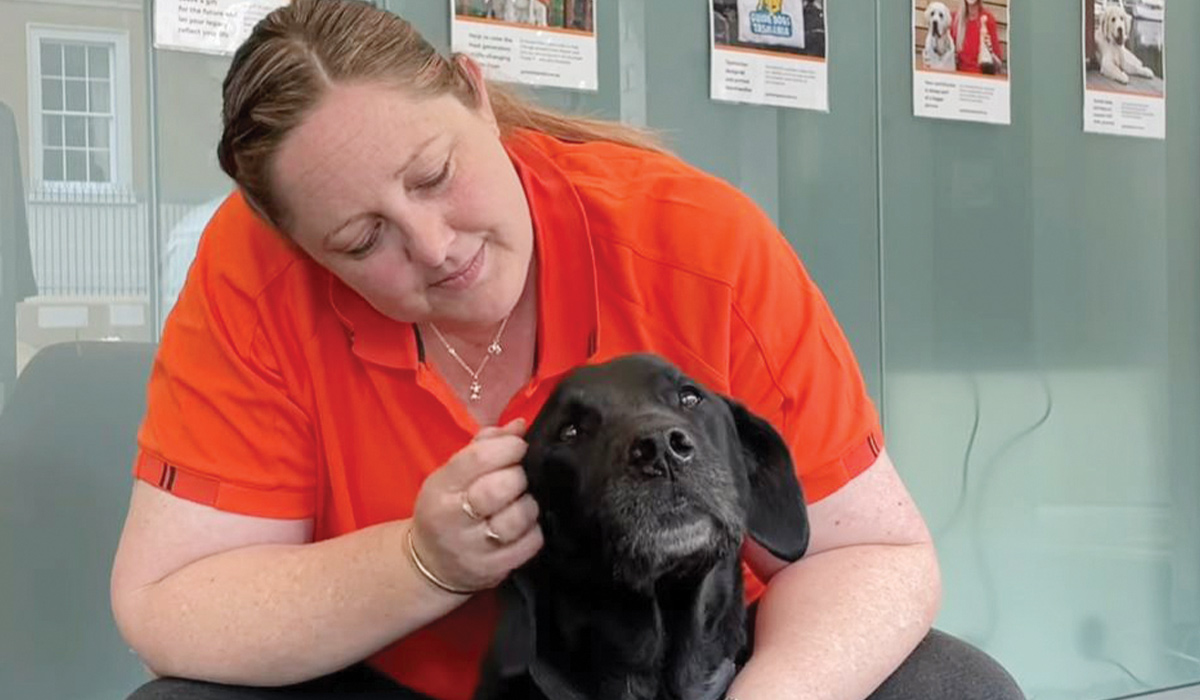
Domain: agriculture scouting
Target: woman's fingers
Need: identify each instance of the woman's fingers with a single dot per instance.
(474, 519)
(514, 554)
(495, 490)
(482, 456)
(515, 426)
(516, 519)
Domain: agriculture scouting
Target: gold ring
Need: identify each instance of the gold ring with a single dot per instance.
(491, 534)
(469, 509)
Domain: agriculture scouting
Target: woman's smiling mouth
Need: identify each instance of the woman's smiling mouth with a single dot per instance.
(466, 275)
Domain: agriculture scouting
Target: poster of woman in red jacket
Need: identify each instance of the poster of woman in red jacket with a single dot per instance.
(960, 60)
(977, 38)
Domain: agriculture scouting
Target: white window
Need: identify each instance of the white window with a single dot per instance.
(79, 111)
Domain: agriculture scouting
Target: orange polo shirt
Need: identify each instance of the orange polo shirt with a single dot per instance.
(278, 392)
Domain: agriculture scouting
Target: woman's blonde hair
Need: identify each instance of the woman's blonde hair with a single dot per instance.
(279, 74)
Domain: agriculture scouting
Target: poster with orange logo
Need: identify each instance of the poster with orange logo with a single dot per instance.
(769, 52)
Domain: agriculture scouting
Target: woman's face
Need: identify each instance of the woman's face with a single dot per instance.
(412, 202)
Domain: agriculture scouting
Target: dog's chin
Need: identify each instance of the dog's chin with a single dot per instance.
(682, 540)
(648, 551)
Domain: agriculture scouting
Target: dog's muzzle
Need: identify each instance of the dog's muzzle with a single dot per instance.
(669, 501)
(660, 452)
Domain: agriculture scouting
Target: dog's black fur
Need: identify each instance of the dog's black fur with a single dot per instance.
(647, 484)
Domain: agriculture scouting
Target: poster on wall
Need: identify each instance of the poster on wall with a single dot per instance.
(769, 52)
(960, 60)
(1124, 67)
(550, 43)
(207, 26)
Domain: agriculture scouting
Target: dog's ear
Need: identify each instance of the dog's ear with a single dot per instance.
(777, 518)
(553, 684)
(513, 662)
(514, 642)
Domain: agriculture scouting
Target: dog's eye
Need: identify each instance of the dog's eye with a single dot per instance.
(689, 397)
(568, 432)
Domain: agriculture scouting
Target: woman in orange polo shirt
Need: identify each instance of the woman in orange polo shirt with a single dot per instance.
(328, 471)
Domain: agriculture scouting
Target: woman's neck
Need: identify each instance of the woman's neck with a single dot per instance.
(973, 11)
(504, 374)
(480, 337)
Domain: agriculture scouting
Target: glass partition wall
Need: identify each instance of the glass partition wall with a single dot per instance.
(1040, 361)
(1023, 300)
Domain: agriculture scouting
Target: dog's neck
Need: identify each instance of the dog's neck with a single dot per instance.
(682, 638)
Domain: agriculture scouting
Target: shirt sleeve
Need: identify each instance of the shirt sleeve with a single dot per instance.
(221, 427)
(792, 364)
(994, 31)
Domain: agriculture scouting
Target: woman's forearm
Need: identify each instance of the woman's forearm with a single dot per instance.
(834, 626)
(279, 614)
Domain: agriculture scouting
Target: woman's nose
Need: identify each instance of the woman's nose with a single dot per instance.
(428, 244)
(426, 236)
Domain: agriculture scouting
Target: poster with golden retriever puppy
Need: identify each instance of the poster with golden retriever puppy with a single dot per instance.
(769, 52)
(551, 43)
(1124, 67)
(960, 60)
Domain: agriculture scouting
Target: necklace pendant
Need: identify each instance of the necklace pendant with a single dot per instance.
(476, 390)
(495, 349)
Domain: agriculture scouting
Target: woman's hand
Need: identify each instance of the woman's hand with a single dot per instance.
(473, 521)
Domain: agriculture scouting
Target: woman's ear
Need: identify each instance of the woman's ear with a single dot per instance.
(473, 73)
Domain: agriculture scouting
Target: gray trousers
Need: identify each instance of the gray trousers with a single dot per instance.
(942, 667)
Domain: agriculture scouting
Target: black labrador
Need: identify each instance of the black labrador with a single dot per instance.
(647, 484)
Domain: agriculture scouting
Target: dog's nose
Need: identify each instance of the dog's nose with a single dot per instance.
(679, 445)
(657, 451)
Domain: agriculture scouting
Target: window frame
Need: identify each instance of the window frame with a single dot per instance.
(120, 187)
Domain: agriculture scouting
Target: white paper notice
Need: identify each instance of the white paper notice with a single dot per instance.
(525, 41)
(961, 98)
(769, 52)
(961, 78)
(1124, 78)
(207, 26)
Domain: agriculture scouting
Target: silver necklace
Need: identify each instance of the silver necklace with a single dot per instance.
(493, 350)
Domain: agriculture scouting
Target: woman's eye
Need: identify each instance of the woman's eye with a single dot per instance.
(372, 237)
(568, 432)
(432, 182)
(689, 397)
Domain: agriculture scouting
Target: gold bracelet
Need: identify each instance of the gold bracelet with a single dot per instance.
(416, 560)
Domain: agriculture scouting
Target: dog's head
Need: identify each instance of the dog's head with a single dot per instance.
(643, 476)
(1115, 23)
(636, 463)
(937, 18)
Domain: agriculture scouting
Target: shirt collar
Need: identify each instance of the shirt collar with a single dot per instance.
(567, 295)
